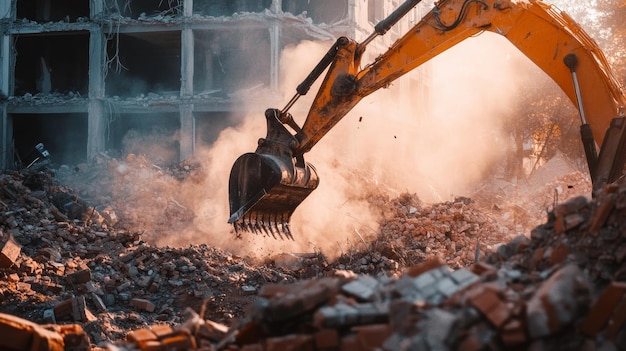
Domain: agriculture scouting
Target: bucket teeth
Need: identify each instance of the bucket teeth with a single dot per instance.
(275, 225)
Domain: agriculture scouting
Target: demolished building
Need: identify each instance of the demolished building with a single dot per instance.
(77, 76)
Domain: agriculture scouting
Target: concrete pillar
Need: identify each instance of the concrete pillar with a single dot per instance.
(96, 123)
(6, 132)
(274, 55)
(187, 121)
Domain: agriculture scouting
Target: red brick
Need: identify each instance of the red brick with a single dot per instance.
(9, 253)
(162, 330)
(79, 277)
(424, 267)
(294, 342)
(179, 342)
(350, 343)
(372, 337)
(46, 340)
(601, 214)
(471, 343)
(601, 310)
(326, 338)
(143, 304)
(559, 254)
(490, 304)
(481, 268)
(141, 335)
(513, 333)
(151, 345)
(618, 318)
(20, 331)
(26, 335)
(212, 330)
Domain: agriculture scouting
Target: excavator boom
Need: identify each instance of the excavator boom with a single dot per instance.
(549, 38)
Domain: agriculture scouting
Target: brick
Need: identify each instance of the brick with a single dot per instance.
(22, 286)
(472, 342)
(559, 253)
(181, 341)
(489, 303)
(20, 331)
(339, 315)
(557, 301)
(80, 277)
(152, 345)
(601, 213)
(482, 268)
(424, 267)
(212, 330)
(273, 290)
(602, 308)
(363, 288)
(350, 343)
(293, 342)
(618, 319)
(372, 337)
(26, 335)
(46, 340)
(252, 347)
(143, 304)
(63, 309)
(513, 333)
(302, 297)
(162, 330)
(100, 306)
(9, 252)
(141, 335)
(463, 277)
(326, 339)
(370, 313)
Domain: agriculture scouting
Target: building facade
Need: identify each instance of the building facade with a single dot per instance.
(80, 75)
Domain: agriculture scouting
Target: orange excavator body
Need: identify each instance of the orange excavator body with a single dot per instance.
(266, 186)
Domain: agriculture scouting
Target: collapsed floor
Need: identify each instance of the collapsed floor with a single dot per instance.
(435, 277)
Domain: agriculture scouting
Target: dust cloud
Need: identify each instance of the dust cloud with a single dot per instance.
(437, 145)
(390, 143)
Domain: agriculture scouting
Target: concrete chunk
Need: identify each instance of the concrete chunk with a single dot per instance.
(363, 288)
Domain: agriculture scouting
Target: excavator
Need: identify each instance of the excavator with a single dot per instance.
(267, 185)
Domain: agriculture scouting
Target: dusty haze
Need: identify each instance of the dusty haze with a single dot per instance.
(436, 148)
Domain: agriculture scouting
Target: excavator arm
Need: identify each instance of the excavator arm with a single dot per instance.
(549, 38)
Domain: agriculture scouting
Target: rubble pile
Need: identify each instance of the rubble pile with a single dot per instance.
(564, 288)
(66, 261)
(63, 261)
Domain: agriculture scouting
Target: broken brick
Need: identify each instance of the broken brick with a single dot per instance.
(140, 336)
(424, 267)
(617, 320)
(601, 310)
(372, 337)
(79, 277)
(162, 330)
(9, 252)
(489, 301)
(143, 304)
(293, 342)
(326, 339)
(181, 341)
(212, 330)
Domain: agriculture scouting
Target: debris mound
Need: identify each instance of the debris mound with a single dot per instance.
(457, 275)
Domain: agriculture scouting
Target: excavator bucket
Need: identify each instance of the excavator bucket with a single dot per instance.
(266, 186)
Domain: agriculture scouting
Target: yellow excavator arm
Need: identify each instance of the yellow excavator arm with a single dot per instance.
(266, 186)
